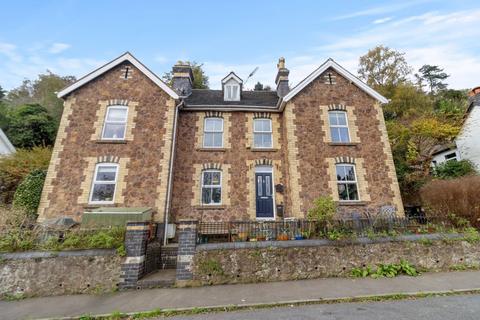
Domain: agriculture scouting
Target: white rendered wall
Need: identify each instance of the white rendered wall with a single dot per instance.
(468, 141)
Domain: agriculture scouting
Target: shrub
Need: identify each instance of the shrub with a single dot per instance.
(14, 168)
(28, 193)
(324, 209)
(453, 169)
(454, 199)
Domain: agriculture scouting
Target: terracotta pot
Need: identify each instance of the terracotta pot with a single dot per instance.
(282, 237)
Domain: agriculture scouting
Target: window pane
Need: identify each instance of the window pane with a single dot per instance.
(267, 186)
(217, 139)
(341, 176)
(103, 192)
(342, 192)
(335, 133)
(343, 133)
(115, 114)
(213, 124)
(342, 118)
(332, 117)
(114, 131)
(216, 195)
(257, 140)
(234, 92)
(262, 125)
(352, 191)
(206, 195)
(208, 139)
(216, 178)
(350, 173)
(105, 173)
(259, 186)
(207, 178)
(267, 140)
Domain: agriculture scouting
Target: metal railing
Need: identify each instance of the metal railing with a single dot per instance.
(237, 231)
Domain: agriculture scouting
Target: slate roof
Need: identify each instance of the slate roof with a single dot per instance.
(212, 98)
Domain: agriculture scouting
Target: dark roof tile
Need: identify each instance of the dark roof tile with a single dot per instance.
(207, 97)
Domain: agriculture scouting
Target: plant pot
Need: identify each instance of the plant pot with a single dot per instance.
(262, 238)
(298, 237)
(242, 236)
(282, 237)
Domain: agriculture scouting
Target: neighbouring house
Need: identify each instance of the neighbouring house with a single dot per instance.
(465, 146)
(129, 140)
(6, 147)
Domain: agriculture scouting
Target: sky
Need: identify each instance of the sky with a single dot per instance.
(73, 37)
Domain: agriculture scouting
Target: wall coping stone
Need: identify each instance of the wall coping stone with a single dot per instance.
(324, 242)
(56, 254)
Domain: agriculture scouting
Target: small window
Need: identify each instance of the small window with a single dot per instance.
(213, 133)
(262, 133)
(115, 123)
(451, 156)
(338, 126)
(211, 187)
(347, 182)
(104, 183)
(232, 92)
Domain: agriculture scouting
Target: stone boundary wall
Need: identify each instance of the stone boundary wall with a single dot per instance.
(243, 262)
(28, 274)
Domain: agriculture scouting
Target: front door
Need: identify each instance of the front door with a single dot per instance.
(264, 193)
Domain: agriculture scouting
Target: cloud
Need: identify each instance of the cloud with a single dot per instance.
(380, 10)
(161, 59)
(382, 20)
(58, 47)
(10, 51)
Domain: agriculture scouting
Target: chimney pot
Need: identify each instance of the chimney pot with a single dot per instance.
(182, 79)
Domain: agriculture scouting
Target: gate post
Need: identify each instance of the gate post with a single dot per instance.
(187, 242)
(136, 240)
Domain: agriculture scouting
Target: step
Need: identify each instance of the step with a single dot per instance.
(158, 279)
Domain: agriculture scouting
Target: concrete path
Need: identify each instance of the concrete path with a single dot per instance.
(240, 294)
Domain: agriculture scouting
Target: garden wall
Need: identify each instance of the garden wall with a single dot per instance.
(54, 273)
(305, 259)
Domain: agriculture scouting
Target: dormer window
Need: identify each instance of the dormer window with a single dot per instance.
(232, 87)
(232, 92)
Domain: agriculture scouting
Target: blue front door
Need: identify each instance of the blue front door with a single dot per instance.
(264, 192)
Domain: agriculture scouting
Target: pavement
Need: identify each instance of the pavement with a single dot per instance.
(316, 290)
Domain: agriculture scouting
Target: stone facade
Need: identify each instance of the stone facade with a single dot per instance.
(143, 156)
(162, 134)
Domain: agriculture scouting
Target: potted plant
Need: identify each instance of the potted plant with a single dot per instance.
(242, 236)
(283, 236)
(298, 236)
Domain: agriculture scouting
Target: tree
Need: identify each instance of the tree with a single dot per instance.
(41, 91)
(31, 125)
(2, 93)
(407, 101)
(434, 76)
(258, 86)
(200, 79)
(383, 67)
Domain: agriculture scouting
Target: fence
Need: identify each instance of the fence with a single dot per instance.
(235, 231)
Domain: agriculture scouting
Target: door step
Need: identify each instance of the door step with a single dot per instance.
(158, 279)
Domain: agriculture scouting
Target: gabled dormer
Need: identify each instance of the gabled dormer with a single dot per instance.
(232, 87)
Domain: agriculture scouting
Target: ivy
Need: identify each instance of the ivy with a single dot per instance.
(27, 196)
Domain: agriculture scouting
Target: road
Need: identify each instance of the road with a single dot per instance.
(453, 307)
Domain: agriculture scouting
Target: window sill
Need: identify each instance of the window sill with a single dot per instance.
(348, 144)
(211, 207)
(352, 203)
(111, 141)
(212, 149)
(263, 149)
(98, 205)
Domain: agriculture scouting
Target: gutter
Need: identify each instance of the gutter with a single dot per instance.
(170, 173)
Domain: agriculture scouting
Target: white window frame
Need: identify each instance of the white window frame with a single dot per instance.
(263, 132)
(211, 186)
(212, 131)
(94, 182)
(228, 88)
(106, 121)
(339, 125)
(348, 181)
(451, 158)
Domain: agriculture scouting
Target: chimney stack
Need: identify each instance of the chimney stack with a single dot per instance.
(182, 80)
(281, 80)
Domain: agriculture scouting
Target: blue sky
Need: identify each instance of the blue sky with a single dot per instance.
(72, 37)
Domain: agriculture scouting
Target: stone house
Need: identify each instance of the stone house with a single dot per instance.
(127, 139)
